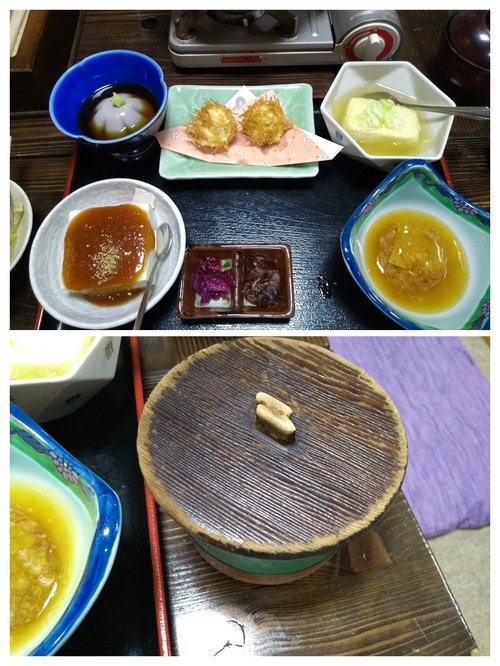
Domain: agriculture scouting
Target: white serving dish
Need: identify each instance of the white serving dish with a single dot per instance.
(404, 81)
(18, 197)
(77, 376)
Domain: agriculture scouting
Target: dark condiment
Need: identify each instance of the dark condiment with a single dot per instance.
(105, 252)
(87, 110)
(261, 280)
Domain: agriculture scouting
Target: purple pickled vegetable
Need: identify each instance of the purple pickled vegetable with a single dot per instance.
(213, 279)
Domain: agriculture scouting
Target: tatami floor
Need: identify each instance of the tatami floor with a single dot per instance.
(464, 559)
(464, 555)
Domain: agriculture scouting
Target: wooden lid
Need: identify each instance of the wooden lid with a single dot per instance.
(230, 484)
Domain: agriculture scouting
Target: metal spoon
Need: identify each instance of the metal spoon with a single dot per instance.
(478, 112)
(163, 243)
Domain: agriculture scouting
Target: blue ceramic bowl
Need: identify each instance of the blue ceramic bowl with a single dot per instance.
(40, 463)
(82, 80)
(415, 185)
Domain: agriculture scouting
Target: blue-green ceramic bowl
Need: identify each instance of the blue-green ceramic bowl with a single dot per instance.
(36, 459)
(416, 185)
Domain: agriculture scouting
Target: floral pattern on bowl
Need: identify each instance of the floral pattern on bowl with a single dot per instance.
(415, 184)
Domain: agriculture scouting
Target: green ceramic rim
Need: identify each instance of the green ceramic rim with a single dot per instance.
(260, 566)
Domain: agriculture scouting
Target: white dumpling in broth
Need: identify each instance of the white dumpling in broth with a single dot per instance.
(120, 115)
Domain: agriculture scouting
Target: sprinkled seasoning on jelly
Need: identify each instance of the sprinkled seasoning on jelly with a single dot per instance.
(105, 252)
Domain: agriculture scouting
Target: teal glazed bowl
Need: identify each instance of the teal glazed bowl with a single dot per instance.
(416, 186)
(261, 570)
(82, 516)
(95, 73)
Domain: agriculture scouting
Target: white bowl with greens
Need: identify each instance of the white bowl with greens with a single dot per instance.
(21, 222)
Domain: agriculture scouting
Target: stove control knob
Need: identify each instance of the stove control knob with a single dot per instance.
(371, 43)
(369, 47)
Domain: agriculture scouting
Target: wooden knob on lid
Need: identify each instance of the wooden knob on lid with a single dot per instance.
(240, 492)
(274, 418)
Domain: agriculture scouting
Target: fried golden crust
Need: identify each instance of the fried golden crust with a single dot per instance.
(213, 126)
(265, 122)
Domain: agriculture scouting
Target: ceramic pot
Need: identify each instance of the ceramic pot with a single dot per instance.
(260, 509)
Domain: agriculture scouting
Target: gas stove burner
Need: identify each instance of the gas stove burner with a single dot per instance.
(222, 38)
(199, 23)
(236, 17)
(285, 22)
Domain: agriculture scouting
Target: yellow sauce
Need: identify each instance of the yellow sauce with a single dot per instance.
(42, 563)
(416, 282)
(43, 357)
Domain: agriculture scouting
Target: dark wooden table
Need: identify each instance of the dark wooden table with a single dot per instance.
(381, 595)
(41, 157)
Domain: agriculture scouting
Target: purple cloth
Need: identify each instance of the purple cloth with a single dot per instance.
(444, 401)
